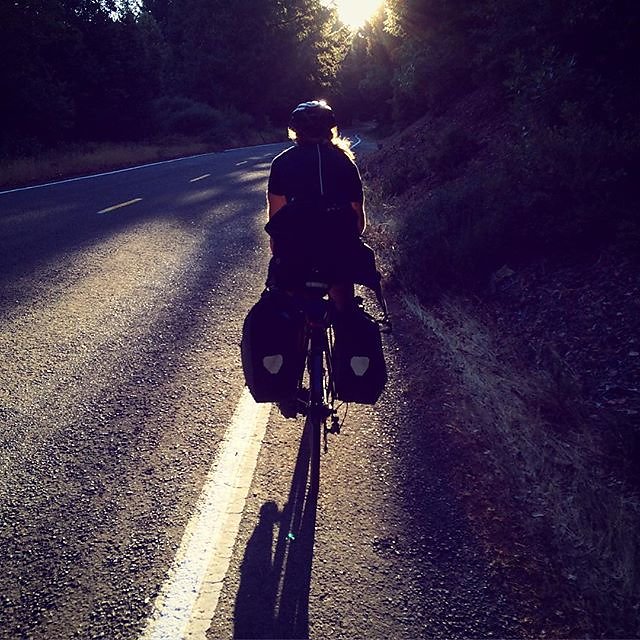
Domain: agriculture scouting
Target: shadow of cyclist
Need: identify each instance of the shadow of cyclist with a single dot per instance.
(273, 597)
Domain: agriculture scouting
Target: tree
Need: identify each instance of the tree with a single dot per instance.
(37, 46)
(364, 81)
(95, 69)
(259, 56)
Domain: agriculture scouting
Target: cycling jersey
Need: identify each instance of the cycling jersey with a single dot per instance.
(310, 171)
(317, 230)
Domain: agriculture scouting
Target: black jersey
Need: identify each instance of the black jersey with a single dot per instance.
(308, 171)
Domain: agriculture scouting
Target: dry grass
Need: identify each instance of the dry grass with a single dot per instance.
(551, 463)
(55, 165)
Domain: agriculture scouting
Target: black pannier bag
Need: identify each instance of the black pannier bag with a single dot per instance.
(319, 240)
(359, 370)
(272, 348)
(320, 237)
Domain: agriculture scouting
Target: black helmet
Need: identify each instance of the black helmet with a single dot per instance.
(313, 119)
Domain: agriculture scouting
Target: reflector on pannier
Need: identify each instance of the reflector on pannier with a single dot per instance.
(359, 370)
(272, 348)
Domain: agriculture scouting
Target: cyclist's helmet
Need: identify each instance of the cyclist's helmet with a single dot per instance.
(313, 119)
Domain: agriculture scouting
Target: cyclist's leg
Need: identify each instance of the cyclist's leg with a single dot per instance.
(296, 403)
(342, 296)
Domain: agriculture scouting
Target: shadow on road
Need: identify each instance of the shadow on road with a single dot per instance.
(273, 597)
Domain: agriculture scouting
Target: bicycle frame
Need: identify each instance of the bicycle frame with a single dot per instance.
(321, 394)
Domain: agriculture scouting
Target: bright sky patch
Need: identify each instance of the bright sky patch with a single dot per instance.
(355, 13)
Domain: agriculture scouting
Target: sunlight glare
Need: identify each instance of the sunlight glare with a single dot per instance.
(354, 13)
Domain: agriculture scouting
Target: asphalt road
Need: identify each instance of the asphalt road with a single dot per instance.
(121, 303)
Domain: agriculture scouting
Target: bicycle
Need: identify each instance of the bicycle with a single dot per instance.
(317, 401)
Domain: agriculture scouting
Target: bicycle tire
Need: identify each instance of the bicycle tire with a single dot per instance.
(316, 417)
(314, 426)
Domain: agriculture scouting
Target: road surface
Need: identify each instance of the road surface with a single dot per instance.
(143, 495)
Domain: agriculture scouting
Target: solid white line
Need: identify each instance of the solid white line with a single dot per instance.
(119, 206)
(106, 173)
(257, 146)
(206, 175)
(187, 602)
(243, 162)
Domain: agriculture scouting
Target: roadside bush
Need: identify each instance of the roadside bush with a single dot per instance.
(231, 127)
(451, 151)
(578, 182)
(558, 192)
(182, 116)
(457, 236)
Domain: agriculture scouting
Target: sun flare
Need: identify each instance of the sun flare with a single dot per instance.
(354, 13)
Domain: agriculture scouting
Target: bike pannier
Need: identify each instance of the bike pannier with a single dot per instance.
(360, 373)
(272, 348)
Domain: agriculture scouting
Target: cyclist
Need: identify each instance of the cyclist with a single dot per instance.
(316, 177)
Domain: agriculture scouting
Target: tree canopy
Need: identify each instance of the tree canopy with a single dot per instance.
(565, 76)
(94, 70)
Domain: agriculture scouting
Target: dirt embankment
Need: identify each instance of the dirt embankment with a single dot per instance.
(544, 402)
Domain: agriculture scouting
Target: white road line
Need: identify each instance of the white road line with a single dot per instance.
(106, 173)
(140, 166)
(206, 175)
(243, 162)
(257, 146)
(119, 206)
(187, 602)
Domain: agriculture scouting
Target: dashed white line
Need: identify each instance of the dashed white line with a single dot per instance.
(187, 602)
(206, 175)
(119, 206)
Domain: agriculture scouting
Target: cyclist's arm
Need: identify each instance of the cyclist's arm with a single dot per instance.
(353, 186)
(274, 204)
(358, 207)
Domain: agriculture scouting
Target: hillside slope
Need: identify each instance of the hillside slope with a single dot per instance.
(546, 347)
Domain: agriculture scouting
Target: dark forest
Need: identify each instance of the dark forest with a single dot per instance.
(559, 149)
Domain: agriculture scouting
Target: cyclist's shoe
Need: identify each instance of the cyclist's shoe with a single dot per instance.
(295, 405)
(289, 407)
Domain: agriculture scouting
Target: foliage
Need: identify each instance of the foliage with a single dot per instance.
(97, 70)
(37, 107)
(182, 115)
(365, 76)
(561, 177)
(558, 192)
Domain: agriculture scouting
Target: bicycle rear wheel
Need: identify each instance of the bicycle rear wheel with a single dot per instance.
(317, 404)
(314, 431)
